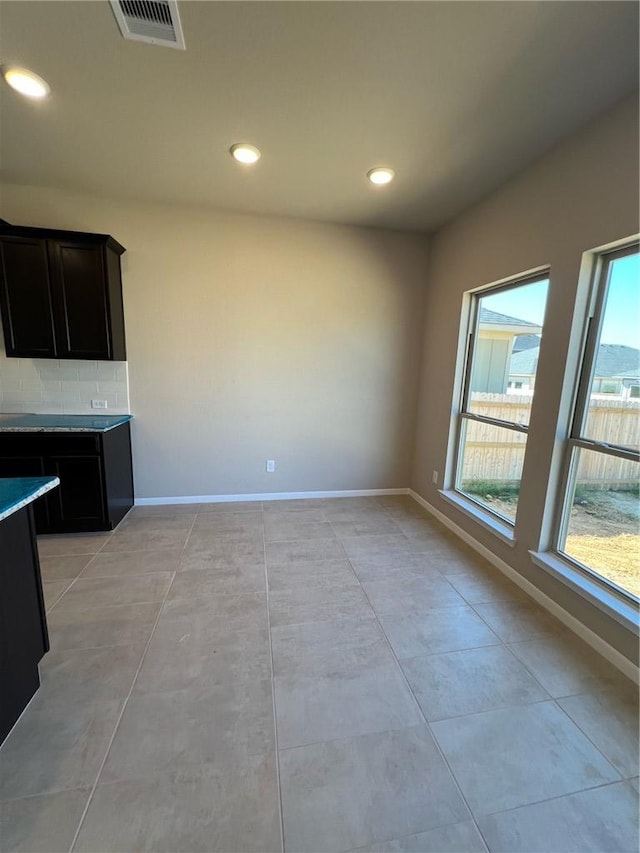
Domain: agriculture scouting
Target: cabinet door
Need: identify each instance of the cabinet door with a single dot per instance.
(78, 503)
(28, 466)
(23, 626)
(79, 286)
(25, 298)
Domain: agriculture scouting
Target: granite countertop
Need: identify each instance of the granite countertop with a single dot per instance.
(16, 492)
(61, 423)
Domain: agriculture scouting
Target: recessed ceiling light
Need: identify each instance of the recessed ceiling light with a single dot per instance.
(25, 82)
(245, 153)
(381, 175)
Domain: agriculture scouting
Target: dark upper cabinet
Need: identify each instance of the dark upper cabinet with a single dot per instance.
(61, 294)
(25, 298)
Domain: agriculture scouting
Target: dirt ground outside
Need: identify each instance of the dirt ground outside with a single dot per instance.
(603, 534)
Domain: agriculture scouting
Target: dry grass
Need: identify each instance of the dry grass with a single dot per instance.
(614, 557)
(615, 552)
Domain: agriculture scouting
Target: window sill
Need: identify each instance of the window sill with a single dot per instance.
(624, 612)
(501, 529)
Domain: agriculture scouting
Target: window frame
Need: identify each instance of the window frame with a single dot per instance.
(575, 440)
(463, 414)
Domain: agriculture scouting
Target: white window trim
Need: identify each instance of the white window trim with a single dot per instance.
(589, 583)
(501, 527)
(620, 608)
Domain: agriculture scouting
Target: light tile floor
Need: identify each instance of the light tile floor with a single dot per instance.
(320, 675)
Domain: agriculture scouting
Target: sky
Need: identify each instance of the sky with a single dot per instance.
(622, 316)
(525, 303)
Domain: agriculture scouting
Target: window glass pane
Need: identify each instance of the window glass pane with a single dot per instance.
(490, 466)
(507, 347)
(614, 404)
(603, 530)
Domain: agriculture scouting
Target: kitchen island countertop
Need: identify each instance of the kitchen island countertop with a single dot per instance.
(61, 423)
(16, 492)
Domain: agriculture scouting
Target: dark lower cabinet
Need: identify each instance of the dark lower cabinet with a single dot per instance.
(80, 500)
(96, 479)
(27, 466)
(23, 627)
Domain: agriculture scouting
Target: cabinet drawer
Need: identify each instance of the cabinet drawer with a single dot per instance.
(70, 444)
(48, 444)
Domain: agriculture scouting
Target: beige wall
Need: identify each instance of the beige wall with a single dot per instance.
(252, 338)
(582, 195)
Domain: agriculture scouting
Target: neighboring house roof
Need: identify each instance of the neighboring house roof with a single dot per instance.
(526, 342)
(612, 360)
(525, 362)
(616, 360)
(494, 318)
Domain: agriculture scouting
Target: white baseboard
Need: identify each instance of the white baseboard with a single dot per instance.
(614, 657)
(267, 496)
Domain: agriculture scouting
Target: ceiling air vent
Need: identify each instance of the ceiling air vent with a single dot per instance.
(153, 21)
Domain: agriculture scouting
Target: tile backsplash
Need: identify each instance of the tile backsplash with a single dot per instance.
(52, 386)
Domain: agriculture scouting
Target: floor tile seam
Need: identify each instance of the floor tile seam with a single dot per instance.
(99, 607)
(90, 554)
(94, 648)
(426, 722)
(126, 576)
(318, 621)
(81, 573)
(273, 695)
(167, 773)
(109, 536)
(113, 735)
(339, 672)
(422, 612)
(336, 740)
(514, 707)
(420, 832)
(118, 721)
(337, 585)
(330, 621)
(529, 669)
(49, 793)
(610, 784)
(507, 643)
(306, 539)
(106, 607)
(175, 547)
(306, 562)
(589, 738)
(280, 565)
(62, 594)
(497, 645)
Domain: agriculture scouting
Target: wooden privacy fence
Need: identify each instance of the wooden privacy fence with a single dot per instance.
(496, 454)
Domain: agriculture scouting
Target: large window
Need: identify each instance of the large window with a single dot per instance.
(505, 329)
(599, 526)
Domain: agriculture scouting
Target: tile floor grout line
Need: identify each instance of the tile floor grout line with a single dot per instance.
(551, 698)
(273, 691)
(508, 645)
(121, 714)
(622, 779)
(420, 712)
(558, 797)
(506, 811)
(588, 737)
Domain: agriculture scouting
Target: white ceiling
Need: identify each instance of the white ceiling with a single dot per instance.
(455, 96)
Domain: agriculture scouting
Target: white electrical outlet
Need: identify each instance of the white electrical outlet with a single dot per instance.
(99, 404)
(434, 477)
(271, 466)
